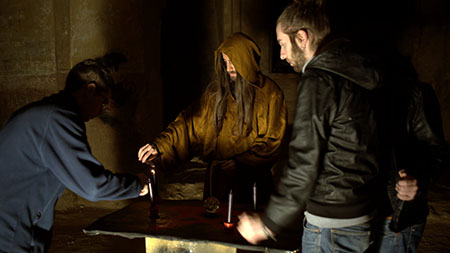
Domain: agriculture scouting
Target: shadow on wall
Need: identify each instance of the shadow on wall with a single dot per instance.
(375, 22)
(188, 41)
(133, 29)
(142, 30)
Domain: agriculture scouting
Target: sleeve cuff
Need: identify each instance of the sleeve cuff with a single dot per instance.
(271, 224)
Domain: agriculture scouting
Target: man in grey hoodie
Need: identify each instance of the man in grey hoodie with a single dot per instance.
(332, 171)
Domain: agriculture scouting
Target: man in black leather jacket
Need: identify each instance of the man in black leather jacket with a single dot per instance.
(419, 155)
(333, 163)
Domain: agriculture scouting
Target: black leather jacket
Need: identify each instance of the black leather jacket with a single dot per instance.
(419, 147)
(333, 154)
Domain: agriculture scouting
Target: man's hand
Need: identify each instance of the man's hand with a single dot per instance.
(251, 228)
(143, 178)
(147, 153)
(406, 187)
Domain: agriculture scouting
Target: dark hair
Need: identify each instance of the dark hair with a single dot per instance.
(89, 71)
(96, 71)
(242, 92)
(307, 15)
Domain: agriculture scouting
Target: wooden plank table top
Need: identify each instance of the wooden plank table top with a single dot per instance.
(185, 220)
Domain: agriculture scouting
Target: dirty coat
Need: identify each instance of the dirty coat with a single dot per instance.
(193, 132)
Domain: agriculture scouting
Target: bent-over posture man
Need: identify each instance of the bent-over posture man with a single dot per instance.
(44, 149)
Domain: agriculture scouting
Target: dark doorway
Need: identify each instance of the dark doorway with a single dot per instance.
(181, 55)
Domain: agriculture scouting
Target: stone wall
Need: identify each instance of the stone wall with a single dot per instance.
(40, 40)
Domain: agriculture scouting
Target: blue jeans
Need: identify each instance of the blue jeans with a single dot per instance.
(347, 239)
(398, 242)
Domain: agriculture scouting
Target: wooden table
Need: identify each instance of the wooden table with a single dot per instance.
(185, 226)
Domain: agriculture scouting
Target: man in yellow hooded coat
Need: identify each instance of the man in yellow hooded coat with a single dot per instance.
(237, 126)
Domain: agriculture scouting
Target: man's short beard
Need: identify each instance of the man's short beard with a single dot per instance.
(298, 56)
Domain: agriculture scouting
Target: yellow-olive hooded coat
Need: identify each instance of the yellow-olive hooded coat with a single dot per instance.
(193, 132)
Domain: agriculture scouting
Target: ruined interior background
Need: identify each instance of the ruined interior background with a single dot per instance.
(170, 61)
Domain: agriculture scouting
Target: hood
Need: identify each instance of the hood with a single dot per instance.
(343, 58)
(244, 54)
